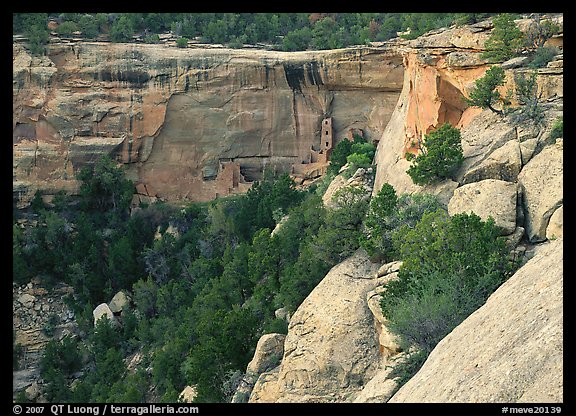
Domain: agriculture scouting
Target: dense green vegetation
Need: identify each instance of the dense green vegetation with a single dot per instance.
(204, 293)
(441, 156)
(202, 296)
(284, 31)
(450, 267)
(505, 41)
(207, 286)
(356, 153)
(387, 214)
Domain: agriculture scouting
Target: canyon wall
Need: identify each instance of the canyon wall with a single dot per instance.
(177, 117)
(441, 68)
(512, 172)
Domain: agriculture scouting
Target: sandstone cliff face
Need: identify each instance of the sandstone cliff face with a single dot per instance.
(331, 349)
(440, 69)
(513, 357)
(175, 115)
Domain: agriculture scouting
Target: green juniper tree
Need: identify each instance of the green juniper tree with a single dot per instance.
(440, 158)
(505, 40)
(484, 94)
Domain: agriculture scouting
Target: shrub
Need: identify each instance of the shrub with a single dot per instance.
(528, 97)
(122, 29)
(356, 161)
(104, 186)
(557, 129)
(62, 356)
(154, 38)
(387, 215)
(339, 156)
(539, 32)
(542, 56)
(504, 41)
(375, 238)
(345, 148)
(484, 93)
(182, 42)
(450, 267)
(67, 28)
(88, 25)
(441, 156)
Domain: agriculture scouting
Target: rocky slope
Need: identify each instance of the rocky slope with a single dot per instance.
(440, 69)
(177, 116)
(513, 173)
(38, 315)
(331, 349)
(337, 347)
(511, 357)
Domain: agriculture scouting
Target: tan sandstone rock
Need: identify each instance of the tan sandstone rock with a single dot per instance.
(510, 350)
(542, 184)
(379, 389)
(488, 198)
(119, 302)
(503, 163)
(268, 354)
(331, 349)
(188, 394)
(555, 227)
(483, 142)
(103, 310)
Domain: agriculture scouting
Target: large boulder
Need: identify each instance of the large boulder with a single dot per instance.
(331, 349)
(119, 302)
(481, 141)
(542, 184)
(488, 198)
(267, 356)
(508, 351)
(103, 310)
(379, 389)
(503, 163)
(188, 394)
(556, 225)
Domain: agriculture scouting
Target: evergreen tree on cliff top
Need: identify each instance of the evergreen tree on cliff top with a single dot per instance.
(505, 41)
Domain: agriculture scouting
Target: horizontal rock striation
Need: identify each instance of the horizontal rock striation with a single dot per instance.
(175, 116)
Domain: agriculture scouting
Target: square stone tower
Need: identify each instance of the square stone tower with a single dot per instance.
(326, 140)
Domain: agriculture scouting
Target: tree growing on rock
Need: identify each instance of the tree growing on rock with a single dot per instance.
(440, 158)
(505, 40)
(104, 186)
(528, 96)
(539, 31)
(484, 94)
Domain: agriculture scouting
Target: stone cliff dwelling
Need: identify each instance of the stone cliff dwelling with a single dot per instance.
(317, 162)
